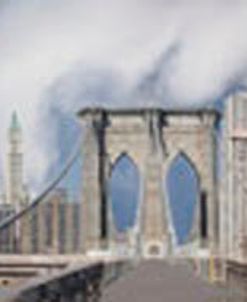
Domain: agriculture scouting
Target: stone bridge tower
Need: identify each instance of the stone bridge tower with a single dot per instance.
(152, 138)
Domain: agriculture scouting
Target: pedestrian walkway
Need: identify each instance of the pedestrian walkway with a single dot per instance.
(157, 281)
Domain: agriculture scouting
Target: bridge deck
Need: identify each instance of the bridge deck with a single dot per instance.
(157, 281)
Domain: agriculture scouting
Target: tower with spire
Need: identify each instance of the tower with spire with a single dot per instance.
(14, 181)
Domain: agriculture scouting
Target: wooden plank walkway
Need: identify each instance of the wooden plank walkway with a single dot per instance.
(157, 281)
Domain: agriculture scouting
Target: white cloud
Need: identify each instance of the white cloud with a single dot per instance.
(57, 48)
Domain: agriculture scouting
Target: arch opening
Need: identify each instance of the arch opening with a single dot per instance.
(183, 187)
(124, 189)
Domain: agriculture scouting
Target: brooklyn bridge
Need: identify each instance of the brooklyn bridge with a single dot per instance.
(86, 260)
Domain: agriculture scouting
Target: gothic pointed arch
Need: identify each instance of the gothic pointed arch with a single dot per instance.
(124, 155)
(186, 156)
(124, 185)
(183, 188)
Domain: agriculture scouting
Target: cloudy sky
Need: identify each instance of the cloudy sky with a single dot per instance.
(57, 56)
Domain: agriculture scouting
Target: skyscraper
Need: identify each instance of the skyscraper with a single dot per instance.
(14, 174)
(234, 185)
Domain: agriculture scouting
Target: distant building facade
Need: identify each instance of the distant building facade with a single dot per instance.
(51, 227)
(16, 194)
(54, 226)
(233, 210)
(8, 236)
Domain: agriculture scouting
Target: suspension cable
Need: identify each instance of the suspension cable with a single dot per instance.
(74, 155)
